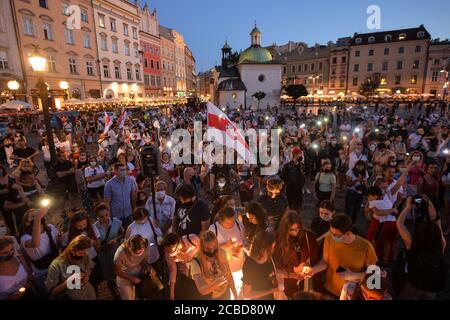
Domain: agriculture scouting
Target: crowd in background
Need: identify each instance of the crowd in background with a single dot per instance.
(226, 231)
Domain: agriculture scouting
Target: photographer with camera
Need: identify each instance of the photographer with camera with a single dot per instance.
(357, 186)
(420, 271)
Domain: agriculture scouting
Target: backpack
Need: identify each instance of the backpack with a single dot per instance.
(428, 272)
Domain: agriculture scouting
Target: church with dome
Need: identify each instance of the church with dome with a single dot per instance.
(255, 70)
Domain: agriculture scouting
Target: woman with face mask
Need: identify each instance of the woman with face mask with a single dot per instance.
(111, 234)
(416, 158)
(210, 270)
(230, 233)
(429, 184)
(95, 178)
(130, 260)
(319, 225)
(325, 183)
(15, 276)
(294, 249)
(356, 187)
(254, 220)
(76, 258)
(260, 281)
(39, 243)
(179, 251)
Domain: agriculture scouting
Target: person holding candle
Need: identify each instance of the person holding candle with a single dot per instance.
(230, 234)
(295, 248)
(15, 276)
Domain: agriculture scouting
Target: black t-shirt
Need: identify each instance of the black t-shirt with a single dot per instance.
(24, 153)
(190, 217)
(14, 197)
(274, 207)
(66, 165)
(259, 276)
(319, 226)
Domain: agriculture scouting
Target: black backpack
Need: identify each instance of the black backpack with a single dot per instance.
(428, 272)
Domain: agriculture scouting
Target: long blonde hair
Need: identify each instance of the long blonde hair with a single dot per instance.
(78, 243)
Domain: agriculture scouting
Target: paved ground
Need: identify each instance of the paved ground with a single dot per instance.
(308, 212)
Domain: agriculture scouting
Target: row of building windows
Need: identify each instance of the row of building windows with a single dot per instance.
(299, 68)
(150, 49)
(385, 66)
(386, 51)
(113, 26)
(71, 62)
(152, 81)
(152, 64)
(389, 37)
(118, 73)
(383, 80)
(115, 46)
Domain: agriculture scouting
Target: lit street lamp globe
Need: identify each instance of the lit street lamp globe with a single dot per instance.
(38, 62)
(64, 85)
(13, 85)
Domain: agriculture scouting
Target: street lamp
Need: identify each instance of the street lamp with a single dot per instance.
(13, 85)
(39, 63)
(64, 85)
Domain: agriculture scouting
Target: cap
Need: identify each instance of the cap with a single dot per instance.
(296, 151)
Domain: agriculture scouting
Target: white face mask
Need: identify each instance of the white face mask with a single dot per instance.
(160, 194)
(221, 184)
(326, 217)
(416, 159)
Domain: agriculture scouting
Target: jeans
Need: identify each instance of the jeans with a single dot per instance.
(353, 202)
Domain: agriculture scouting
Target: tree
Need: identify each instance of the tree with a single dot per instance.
(368, 88)
(259, 96)
(296, 91)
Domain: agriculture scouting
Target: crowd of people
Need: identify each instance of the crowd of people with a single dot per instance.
(359, 188)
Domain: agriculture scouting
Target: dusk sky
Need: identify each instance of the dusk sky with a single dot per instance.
(206, 23)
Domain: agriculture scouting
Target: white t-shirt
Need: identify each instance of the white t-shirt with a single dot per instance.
(355, 158)
(224, 235)
(393, 197)
(384, 204)
(91, 172)
(146, 231)
(43, 250)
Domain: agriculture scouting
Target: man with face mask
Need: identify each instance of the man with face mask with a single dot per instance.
(165, 207)
(192, 215)
(274, 201)
(120, 194)
(346, 256)
(294, 178)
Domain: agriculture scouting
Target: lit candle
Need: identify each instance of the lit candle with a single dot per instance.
(306, 270)
(22, 290)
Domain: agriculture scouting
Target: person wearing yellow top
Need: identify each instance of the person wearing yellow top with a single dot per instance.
(346, 256)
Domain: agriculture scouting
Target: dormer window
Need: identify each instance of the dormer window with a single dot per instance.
(421, 34)
(402, 36)
(371, 39)
(358, 40)
(388, 37)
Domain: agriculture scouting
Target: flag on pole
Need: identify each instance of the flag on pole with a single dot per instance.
(108, 123)
(219, 125)
(123, 117)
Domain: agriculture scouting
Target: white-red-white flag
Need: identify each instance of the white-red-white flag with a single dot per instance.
(123, 117)
(108, 123)
(219, 125)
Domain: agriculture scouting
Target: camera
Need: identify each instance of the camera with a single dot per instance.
(420, 207)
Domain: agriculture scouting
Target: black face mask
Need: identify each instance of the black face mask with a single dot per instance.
(6, 258)
(81, 230)
(210, 254)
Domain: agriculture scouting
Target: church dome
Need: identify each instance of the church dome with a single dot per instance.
(255, 54)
